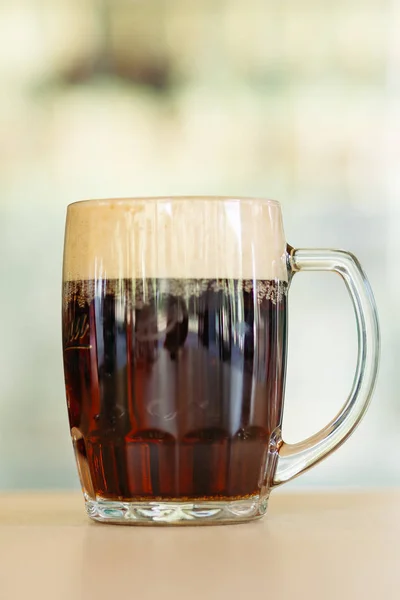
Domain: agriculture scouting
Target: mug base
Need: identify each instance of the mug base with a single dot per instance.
(196, 512)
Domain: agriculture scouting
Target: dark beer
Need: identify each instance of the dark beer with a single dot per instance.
(173, 386)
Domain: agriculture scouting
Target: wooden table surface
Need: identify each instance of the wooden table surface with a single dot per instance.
(335, 545)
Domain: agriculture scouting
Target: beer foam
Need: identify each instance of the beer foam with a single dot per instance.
(180, 238)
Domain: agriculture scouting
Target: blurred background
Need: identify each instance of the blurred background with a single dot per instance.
(297, 100)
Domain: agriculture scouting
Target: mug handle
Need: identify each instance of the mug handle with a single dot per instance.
(294, 459)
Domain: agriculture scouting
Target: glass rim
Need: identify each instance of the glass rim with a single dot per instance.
(142, 199)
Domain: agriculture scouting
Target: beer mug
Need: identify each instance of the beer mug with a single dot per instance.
(174, 343)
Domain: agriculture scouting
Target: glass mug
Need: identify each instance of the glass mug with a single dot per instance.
(174, 345)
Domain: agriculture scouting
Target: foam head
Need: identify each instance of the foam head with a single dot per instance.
(184, 238)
